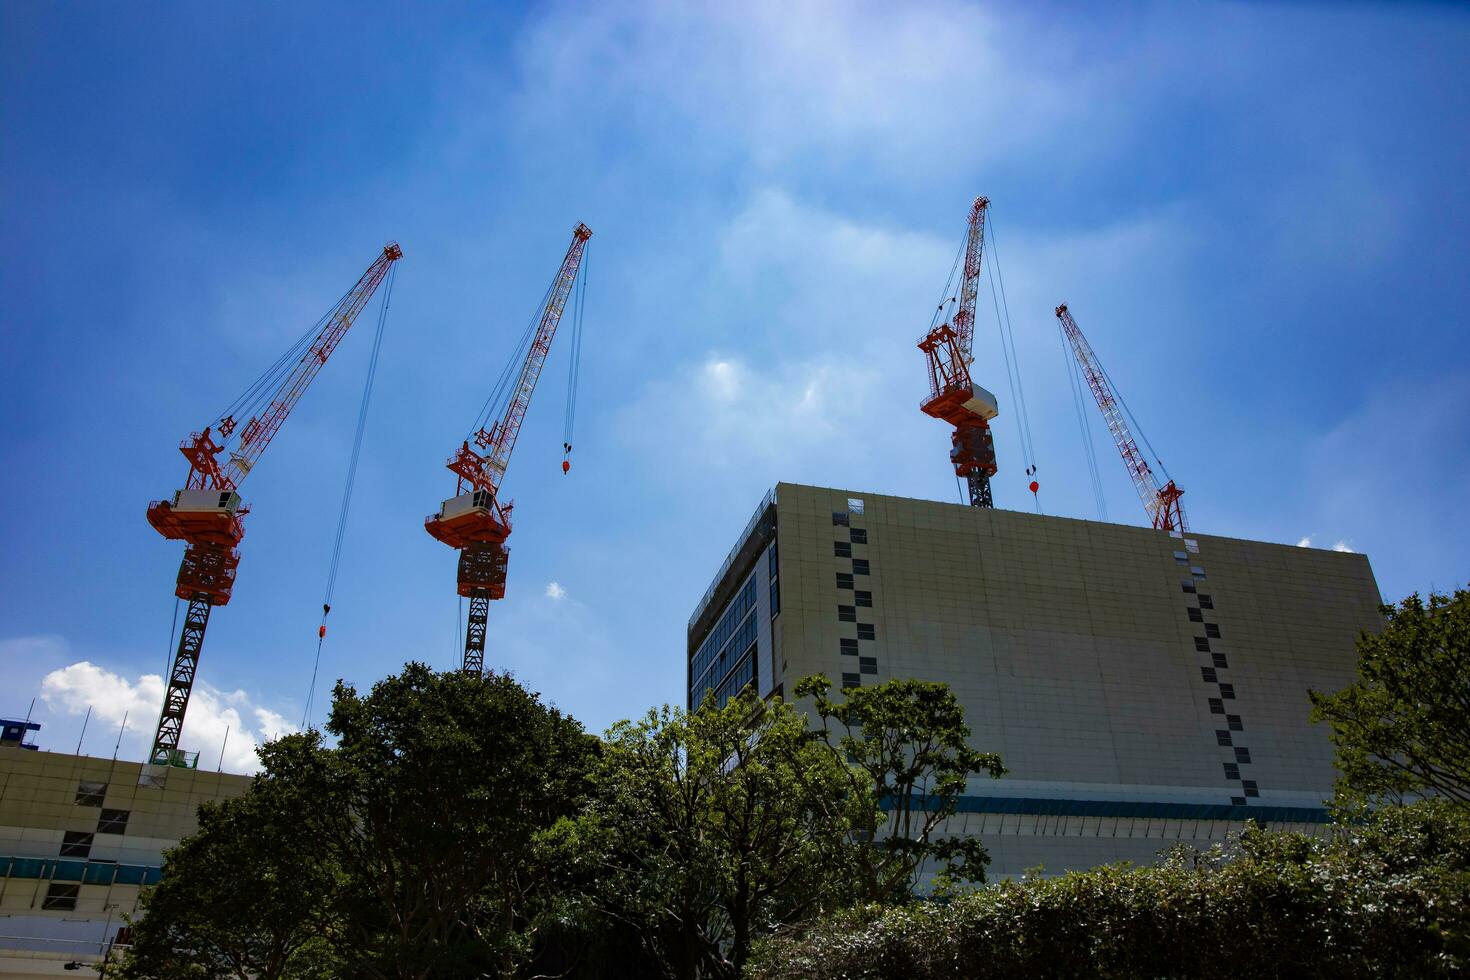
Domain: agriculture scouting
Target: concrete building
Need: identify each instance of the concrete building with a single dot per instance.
(79, 838)
(1142, 688)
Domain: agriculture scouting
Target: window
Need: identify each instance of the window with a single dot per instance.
(1236, 725)
(859, 536)
(1232, 770)
(1208, 673)
(75, 844)
(1191, 545)
(864, 598)
(846, 614)
(1205, 602)
(844, 580)
(90, 794)
(1222, 736)
(1187, 585)
(113, 822)
(1196, 571)
(839, 518)
(859, 566)
(772, 570)
(1201, 644)
(866, 631)
(1217, 706)
(868, 665)
(1227, 691)
(1250, 787)
(1212, 630)
(1195, 616)
(733, 633)
(1181, 557)
(852, 680)
(1237, 801)
(1242, 754)
(849, 646)
(841, 549)
(855, 505)
(1220, 661)
(60, 898)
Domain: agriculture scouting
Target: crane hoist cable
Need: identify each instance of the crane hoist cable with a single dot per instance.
(336, 559)
(574, 362)
(1013, 362)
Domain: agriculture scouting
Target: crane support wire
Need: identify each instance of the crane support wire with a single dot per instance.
(1084, 423)
(947, 296)
(1142, 437)
(255, 397)
(1012, 355)
(362, 415)
(500, 393)
(574, 362)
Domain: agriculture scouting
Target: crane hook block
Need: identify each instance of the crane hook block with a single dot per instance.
(321, 632)
(1035, 486)
(566, 465)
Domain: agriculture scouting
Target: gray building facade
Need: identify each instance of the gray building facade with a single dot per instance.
(1142, 688)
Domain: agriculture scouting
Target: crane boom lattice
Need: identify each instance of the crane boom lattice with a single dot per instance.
(476, 521)
(1160, 500)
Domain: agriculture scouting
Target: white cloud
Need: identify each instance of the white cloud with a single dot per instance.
(32, 649)
(751, 415)
(924, 87)
(212, 713)
(1343, 546)
(1376, 509)
(1304, 543)
(554, 590)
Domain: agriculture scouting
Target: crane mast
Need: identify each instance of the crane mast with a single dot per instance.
(1161, 501)
(207, 514)
(475, 521)
(953, 395)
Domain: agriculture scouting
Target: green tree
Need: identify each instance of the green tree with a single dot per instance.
(1404, 726)
(907, 749)
(247, 895)
(713, 827)
(440, 786)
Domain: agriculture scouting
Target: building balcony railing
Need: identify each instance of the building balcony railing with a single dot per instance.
(85, 872)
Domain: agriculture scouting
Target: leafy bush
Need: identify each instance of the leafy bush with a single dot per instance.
(1389, 897)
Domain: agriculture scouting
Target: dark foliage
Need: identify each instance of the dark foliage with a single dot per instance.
(1389, 898)
(1404, 727)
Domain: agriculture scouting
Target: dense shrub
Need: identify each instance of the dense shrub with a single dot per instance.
(1389, 898)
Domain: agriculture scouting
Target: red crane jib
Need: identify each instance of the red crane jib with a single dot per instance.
(475, 518)
(207, 513)
(1160, 501)
(953, 396)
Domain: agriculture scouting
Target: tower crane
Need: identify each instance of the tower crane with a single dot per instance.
(476, 521)
(953, 396)
(208, 515)
(1161, 500)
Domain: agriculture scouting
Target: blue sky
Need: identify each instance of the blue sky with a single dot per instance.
(1257, 213)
